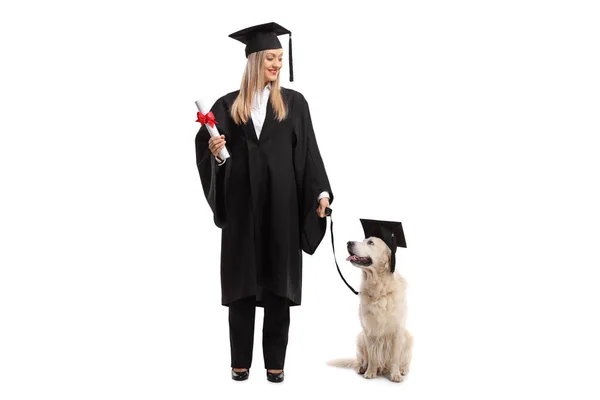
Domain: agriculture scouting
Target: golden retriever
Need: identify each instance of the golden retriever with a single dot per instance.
(384, 346)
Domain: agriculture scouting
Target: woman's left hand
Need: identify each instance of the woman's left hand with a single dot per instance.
(323, 204)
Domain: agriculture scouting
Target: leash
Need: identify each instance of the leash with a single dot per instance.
(328, 213)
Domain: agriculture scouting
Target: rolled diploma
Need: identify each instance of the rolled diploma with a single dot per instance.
(224, 154)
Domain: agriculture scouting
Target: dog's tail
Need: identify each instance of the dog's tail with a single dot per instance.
(343, 363)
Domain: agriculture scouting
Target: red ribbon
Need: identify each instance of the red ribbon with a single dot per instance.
(207, 119)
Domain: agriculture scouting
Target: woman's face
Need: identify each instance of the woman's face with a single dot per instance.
(272, 64)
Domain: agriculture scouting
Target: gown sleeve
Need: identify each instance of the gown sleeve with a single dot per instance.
(212, 175)
(311, 178)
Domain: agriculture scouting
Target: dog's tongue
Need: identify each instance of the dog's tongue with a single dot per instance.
(351, 258)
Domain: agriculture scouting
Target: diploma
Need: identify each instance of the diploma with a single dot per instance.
(205, 117)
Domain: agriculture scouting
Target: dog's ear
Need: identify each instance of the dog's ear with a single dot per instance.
(389, 254)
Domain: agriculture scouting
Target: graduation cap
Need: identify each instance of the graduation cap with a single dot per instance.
(390, 232)
(264, 37)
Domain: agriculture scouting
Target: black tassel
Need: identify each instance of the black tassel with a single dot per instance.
(291, 63)
(393, 248)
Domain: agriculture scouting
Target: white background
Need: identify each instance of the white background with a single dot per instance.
(473, 123)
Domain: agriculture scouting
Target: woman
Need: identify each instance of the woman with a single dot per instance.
(268, 198)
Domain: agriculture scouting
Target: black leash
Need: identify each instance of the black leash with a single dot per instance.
(328, 213)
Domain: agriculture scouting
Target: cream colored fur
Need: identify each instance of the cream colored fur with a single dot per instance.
(384, 345)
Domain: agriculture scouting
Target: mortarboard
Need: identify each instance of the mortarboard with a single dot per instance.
(264, 37)
(390, 232)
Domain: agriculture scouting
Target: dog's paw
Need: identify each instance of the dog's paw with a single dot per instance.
(396, 377)
(370, 374)
(360, 369)
(403, 371)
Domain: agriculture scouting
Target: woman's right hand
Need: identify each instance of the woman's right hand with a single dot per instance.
(215, 144)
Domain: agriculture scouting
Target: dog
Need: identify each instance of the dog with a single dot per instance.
(384, 345)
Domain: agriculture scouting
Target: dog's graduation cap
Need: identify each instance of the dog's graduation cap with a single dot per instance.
(264, 37)
(390, 232)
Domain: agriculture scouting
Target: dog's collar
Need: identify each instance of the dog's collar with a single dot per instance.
(372, 296)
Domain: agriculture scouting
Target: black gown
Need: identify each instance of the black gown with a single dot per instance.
(264, 198)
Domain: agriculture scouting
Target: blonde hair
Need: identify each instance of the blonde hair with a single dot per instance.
(253, 80)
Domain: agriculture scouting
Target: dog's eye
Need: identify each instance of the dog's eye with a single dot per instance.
(370, 242)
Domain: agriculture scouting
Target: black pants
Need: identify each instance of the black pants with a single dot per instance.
(276, 325)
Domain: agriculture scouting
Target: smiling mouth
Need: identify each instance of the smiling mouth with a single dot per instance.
(353, 258)
(273, 71)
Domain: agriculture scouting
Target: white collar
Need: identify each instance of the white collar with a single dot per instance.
(262, 96)
(267, 88)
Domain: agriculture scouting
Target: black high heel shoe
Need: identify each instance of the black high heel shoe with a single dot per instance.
(240, 376)
(275, 376)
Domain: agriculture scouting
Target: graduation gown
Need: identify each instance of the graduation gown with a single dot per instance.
(264, 198)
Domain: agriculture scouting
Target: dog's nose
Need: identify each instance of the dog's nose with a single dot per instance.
(349, 243)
